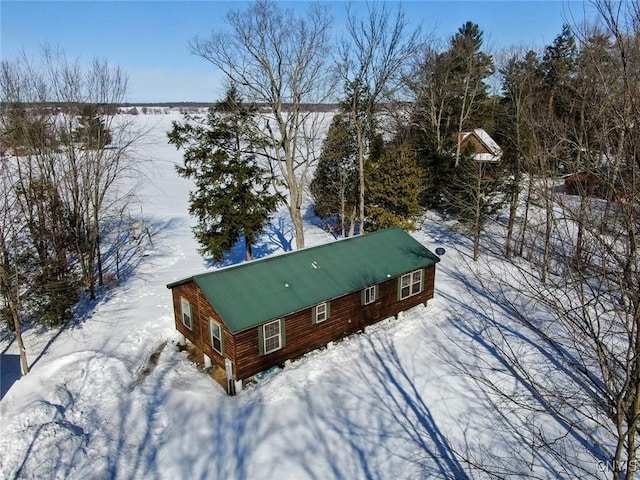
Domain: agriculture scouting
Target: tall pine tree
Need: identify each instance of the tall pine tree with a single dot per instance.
(451, 96)
(394, 182)
(335, 184)
(233, 199)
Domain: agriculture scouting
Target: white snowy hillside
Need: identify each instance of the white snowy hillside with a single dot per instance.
(110, 396)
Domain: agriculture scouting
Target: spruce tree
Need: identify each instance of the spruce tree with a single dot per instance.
(393, 188)
(473, 194)
(451, 96)
(54, 282)
(91, 131)
(335, 184)
(232, 198)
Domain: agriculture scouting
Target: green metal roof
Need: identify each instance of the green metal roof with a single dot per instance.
(251, 293)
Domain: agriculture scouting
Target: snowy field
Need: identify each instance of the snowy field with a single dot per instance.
(401, 401)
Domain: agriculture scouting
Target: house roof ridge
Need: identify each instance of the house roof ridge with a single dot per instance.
(276, 256)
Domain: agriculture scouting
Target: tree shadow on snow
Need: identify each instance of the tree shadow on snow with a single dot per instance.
(378, 427)
(238, 254)
(311, 218)
(58, 434)
(137, 245)
(277, 235)
(131, 241)
(148, 419)
(10, 372)
(500, 343)
(204, 438)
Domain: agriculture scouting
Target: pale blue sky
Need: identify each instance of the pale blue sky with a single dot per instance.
(149, 39)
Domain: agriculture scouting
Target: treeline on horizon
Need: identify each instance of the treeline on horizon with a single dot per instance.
(112, 108)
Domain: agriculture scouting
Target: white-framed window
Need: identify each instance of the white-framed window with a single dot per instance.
(185, 311)
(321, 313)
(271, 337)
(369, 295)
(410, 284)
(216, 336)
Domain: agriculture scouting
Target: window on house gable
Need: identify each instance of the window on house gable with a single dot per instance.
(410, 284)
(216, 336)
(185, 309)
(272, 339)
(370, 295)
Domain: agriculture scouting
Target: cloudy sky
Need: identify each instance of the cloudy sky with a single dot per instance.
(150, 39)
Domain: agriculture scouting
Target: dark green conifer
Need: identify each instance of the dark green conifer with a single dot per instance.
(394, 182)
(233, 196)
(91, 131)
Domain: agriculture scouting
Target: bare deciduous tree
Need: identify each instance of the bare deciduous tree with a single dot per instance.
(278, 59)
(372, 59)
(74, 179)
(519, 78)
(566, 324)
(9, 262)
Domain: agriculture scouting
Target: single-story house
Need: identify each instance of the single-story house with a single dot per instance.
(485, 148)
(250, 317)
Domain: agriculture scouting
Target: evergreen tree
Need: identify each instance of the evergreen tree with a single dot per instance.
(232, 197)
(335, 184)
(596, 82)
(451, 95)
(471, 67)
(91, 130)
(54, 283)
(558, 70)
(394, 182)
(26, 132)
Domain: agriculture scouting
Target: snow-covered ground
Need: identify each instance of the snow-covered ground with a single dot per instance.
(399, 401)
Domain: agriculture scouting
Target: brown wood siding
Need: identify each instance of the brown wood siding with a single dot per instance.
(347, 316)
(202, 311)
(478, 146)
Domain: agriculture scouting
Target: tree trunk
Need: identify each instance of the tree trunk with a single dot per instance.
(633, 419)
(476, 240)
(546, 255)
(99, 261)
(580, 234)
(17, 326)
(513, 210)
(525, 219)
(458, 142)
(247, 248)
(296, 218)
(477, 221)
(352, 222)
(361, 193)
(515, 191)
(8, 287)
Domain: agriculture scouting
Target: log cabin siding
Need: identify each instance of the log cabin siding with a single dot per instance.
(188, 291)
(208, 312)
(348, 315)
(200, 334)
(476, 145)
